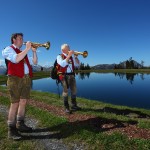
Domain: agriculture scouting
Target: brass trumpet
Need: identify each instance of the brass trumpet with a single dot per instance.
(84, 54)
(36, 45)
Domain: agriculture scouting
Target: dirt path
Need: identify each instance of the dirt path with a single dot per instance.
(101, 124)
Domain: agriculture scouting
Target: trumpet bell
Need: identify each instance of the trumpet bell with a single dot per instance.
(85, 54)
(46, 45)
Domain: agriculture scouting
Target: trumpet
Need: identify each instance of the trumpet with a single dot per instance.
(36, 45)
(84, 54)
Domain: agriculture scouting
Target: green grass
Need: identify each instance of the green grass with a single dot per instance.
(36, 75)
(6, 144)
(3, 79)
(80, 132)
(147, 71)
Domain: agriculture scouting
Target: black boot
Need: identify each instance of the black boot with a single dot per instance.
(22, 127)
(13, 133)
(74, 105)
(66, 104)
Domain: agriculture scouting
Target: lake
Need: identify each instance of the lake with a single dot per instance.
(115, 88)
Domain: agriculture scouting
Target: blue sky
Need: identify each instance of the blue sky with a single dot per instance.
(110, 30)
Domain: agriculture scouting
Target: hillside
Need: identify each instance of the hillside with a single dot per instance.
(132, 64)
(2, 70)
(103, 66)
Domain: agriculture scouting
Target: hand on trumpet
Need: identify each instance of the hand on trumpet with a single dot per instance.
(76, 58)
(75, 55)
(28, 45)
(70, 53)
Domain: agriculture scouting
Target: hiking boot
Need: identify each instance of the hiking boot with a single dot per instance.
(75, 108)
(68, 111)
(74, 103)
(22, 127)
(66, 105)
(13, 133)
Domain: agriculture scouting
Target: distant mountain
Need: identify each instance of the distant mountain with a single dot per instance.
(2, 70)
(129, 64)
(103, 66)
(122, 65)
(37, 68)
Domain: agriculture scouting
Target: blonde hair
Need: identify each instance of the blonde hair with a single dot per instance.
(64, 45)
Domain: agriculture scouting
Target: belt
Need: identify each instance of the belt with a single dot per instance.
(71, 73)
(26, 75)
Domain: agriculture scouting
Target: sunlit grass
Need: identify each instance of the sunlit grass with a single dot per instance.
(79, 132)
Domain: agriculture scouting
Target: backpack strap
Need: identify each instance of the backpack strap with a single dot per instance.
(6, 62)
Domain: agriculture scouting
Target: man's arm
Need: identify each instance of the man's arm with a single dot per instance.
(21, 55)
(35, 58)
(76, 60)
(61, 62)
(9, 54)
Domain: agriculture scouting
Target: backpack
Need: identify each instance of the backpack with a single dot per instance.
(53, 73)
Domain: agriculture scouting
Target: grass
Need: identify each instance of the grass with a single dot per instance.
(6, 144)
(80, 132)
(37, 75)
(3, 79)
(44, 74)
(147, 71)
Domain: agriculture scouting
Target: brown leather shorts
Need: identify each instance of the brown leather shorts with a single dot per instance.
(19, 88)
(69, 82)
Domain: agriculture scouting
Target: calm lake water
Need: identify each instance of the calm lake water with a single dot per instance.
(121, 89)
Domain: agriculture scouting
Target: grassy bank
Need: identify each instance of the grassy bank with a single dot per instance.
(98, 126)
(36, 75)
(147, 71)
(42, 74)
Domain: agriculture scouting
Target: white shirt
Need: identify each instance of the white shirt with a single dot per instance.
(63, 63)
(10, 54)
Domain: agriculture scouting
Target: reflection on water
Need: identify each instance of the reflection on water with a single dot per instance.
(129, 89)
(129, 76)
(83, 75)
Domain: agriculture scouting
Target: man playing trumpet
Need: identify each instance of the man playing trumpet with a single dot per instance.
(18, 83)
(66, 66)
